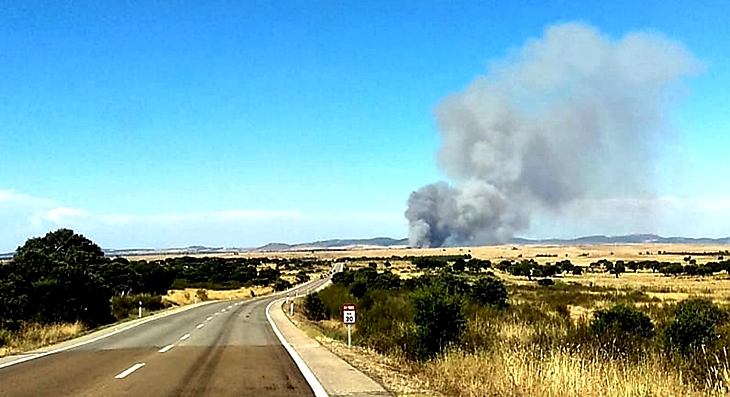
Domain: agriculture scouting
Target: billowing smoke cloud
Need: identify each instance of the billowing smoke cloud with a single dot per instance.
(567, 116)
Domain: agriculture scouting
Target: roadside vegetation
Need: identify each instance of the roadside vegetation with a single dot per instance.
(468, 329)
(60, 285)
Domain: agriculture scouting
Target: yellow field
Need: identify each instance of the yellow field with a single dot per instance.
(187, 296)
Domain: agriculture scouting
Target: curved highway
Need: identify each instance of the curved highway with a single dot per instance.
(224, 348)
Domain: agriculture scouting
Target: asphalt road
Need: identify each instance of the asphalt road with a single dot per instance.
(220, 349)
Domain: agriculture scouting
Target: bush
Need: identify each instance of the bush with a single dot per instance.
(333, 297)
(125, 306)
(386, 322)
(622, 328)
(302, 277)
(695, 322)
(281, 285)
(489, 291)
(314, 308)
(545, 282)
(439, 320)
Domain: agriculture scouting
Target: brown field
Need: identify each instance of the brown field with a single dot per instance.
(625, 252)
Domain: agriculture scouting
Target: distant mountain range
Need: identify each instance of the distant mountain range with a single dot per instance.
(334, 244)
(627, 239)
(379, 242)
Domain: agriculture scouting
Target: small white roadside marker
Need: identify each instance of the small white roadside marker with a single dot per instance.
(166, 349)
(209, 318)
(185, 336)
(130, 370)
(200, 326)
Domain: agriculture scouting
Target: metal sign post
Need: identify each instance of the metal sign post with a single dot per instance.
(349, 318)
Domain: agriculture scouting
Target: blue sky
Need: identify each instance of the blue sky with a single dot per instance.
(243, 122)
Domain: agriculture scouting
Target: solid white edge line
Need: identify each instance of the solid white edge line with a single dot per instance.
(185, 336)
(317, 388)
(199, 326)
(166, 349)
(130, 370)
(33, 356)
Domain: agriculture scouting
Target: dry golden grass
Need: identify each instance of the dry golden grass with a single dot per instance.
(33, 336)
(187, 296)
(517, 372)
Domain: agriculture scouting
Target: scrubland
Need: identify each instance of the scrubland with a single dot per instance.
(564, 339)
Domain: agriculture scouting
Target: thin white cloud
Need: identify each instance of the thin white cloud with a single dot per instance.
(64, 214)
(24, 216)
(236, 227)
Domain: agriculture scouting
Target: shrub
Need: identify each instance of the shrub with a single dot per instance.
(545, 282)
(124, 306)
(695, 322)
(333, 297)
(345, 278)
(314, 308)
(281, 285)
(621, 322)
(302, 277)
(459, 265)
(439, 320)
(489, 291)
(386, 322)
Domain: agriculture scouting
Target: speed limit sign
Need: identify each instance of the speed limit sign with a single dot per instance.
(349, 313)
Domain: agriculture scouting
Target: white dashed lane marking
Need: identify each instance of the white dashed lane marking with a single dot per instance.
(185, 336)
(209, 318)
(199, 326)
(130, 370)
(166, 349)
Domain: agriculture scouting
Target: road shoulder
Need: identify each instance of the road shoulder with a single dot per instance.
(337, 377)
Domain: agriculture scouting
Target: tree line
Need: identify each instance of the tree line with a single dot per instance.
(65, 277)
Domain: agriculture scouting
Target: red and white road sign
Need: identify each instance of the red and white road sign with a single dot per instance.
(349, 313)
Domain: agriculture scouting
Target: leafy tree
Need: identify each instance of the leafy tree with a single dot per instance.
(618, 268)
(459, 265)
(61, 273)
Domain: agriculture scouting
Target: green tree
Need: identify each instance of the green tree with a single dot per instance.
(62, 273)
(459, 265)
(618, 268)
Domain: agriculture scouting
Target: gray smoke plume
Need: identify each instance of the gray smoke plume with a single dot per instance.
(566, 116)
